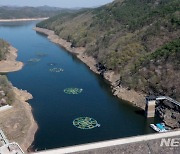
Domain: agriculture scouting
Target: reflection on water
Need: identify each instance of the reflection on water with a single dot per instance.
(55, 110)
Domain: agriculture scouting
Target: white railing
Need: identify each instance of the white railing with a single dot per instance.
(6, 107)
(109, 143)
(169, 99)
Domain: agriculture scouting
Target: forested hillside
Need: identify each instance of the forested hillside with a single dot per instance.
(30, 12)
(3, 49)
(139, 39)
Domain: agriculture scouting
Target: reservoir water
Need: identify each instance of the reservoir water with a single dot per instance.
(55, 110)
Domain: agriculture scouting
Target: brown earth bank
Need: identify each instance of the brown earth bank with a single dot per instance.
(136, 98)
(10, 64)
(17, 123)
(22, 19)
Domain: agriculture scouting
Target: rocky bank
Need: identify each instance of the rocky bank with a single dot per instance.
(136, 98)
(169, 115)
(17, 123)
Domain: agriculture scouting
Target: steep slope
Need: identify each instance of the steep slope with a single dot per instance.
(4, 47)
(159, 72)
(122, 34)
(6, 93)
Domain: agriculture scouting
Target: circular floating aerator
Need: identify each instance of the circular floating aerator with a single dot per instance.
(57, 70)
(73, 91)
(85, 123)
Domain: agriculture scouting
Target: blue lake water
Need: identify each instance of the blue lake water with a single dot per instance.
(54, 110)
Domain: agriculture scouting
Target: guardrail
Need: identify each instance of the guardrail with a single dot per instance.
(109, 143)
(169, 99)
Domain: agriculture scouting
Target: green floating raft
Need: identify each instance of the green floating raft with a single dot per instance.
(56, 70)
(85, 123)
(34, 60)
(41, 54)
(73, 91)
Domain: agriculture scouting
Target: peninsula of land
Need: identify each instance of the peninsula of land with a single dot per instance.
(17, 122)
(9, 64)
(22, 19)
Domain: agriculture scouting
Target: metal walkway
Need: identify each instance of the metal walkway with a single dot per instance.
(168, 98)
(3, 139)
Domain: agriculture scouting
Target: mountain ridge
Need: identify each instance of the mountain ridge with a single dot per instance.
(14, 12)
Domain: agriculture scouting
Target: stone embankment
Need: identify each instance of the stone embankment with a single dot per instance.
(145, 144)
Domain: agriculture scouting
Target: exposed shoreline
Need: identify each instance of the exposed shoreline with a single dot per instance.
(22, 19)
(18, 122)
(23, 96)
(10, 64)
(135, 98)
